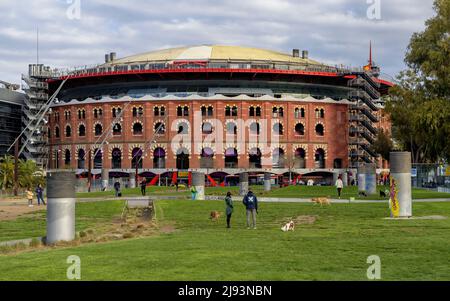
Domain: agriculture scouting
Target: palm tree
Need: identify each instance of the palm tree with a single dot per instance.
(6, 172)
(29, 174)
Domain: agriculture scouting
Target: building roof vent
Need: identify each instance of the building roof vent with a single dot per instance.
(305, 54)
(295, 52)
(106, 58)
(112, 56)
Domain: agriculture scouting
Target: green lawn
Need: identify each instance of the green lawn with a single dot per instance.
(288, 192)
(335, 247)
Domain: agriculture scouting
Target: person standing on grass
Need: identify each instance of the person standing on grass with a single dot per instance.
(339, 185)
(117, 188)
(39, 194)
(251, 204)
(143, 186)
(193, 192)
(29, 197)
(229, 209)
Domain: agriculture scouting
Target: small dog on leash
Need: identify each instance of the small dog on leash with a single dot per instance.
(321, 201)
(214, 216)
(383, 194)
(362, 193)
(288, 227)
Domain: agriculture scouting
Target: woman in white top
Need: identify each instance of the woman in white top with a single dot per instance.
(339, 185)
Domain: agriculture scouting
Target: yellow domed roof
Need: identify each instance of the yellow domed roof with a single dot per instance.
(214, 53)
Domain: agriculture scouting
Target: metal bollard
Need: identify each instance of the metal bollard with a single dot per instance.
(401, 177)
(243, 183)
(267, 181)
(198, 181)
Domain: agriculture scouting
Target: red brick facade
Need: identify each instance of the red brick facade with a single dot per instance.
(334, 142)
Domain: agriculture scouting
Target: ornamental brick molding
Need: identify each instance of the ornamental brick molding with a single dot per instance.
(115, 146)
(131, 147)
(321, 146)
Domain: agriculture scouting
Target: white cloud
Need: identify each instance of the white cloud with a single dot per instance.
(335, 31)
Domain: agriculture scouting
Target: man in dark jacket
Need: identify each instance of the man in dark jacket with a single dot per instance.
(251, 204)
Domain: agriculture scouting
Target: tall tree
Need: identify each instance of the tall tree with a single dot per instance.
(6, 172)
(419, 105)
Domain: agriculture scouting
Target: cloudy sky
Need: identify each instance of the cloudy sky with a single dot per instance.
(334, 31)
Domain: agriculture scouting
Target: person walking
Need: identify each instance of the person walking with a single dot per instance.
(194, 193)
(29, 197)
(251, 204)
(117, 188)
(39, 194)
(143, 186)
(229, 208)
(339, 185)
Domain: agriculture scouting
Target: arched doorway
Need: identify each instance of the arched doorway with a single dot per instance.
(67, 159)
(299, 159)
(207, 158)
(98, 159)
(136, 158)
(81, 159)
(159, 158)
(231, 158)
(255, 158)
(319, 158)
(116, 158)
(278, 158)
(183, 158)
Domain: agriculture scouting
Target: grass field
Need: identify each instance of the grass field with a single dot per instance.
(335, 247)
(288, 192)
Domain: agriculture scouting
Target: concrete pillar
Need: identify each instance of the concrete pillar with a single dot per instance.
(60, 206)
(132, 180)
(105, 179)
(371, 178)
(345, 178)
(243, 183)
(198, 181)
(267, 181)
(362, 178)
(335, 177)
(401, 180)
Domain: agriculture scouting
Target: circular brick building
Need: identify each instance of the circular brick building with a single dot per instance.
(218, 109)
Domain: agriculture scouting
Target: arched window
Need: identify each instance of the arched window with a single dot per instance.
(114, 112)
(258, 112)
(317, 112)
(320, 130)
(299, 129)
(183, 159)
(67, 158)
(234, 111)
(302, 113)
(207, 158)
(98, 130)
(297, 113)
(98, 159)
(251, 112)
(135, 112)
(255, 158)
(278, 158)
(160, 128)
(162, 111)
(117, 129)
(186, 111)
(159, 158)
(68, 131)
(231, 158)
(227, 111)
(57, 132)
(183, 128)
(337, 163)
(300, 158)
(116, 158)
(82, 130)
(136, 158)
(156, 111)
(231, 128)
(322, 113)
(319, 158)
(137, 129)
(254, 128)
(179, 111)
(203, 109)
(95, 113)
(81, 159)
(280, 112)
(278, 128)
(207, 128)
(210, 111)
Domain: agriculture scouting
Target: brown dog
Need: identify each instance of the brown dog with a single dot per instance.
(321, 201)
(215, 215)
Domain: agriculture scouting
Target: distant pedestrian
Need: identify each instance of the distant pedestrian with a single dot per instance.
(117, 188)
(143, 186)
(251, 204)
(194, 193)
(40, 195)
(29, 197)
(229, 208)
(339, 185)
